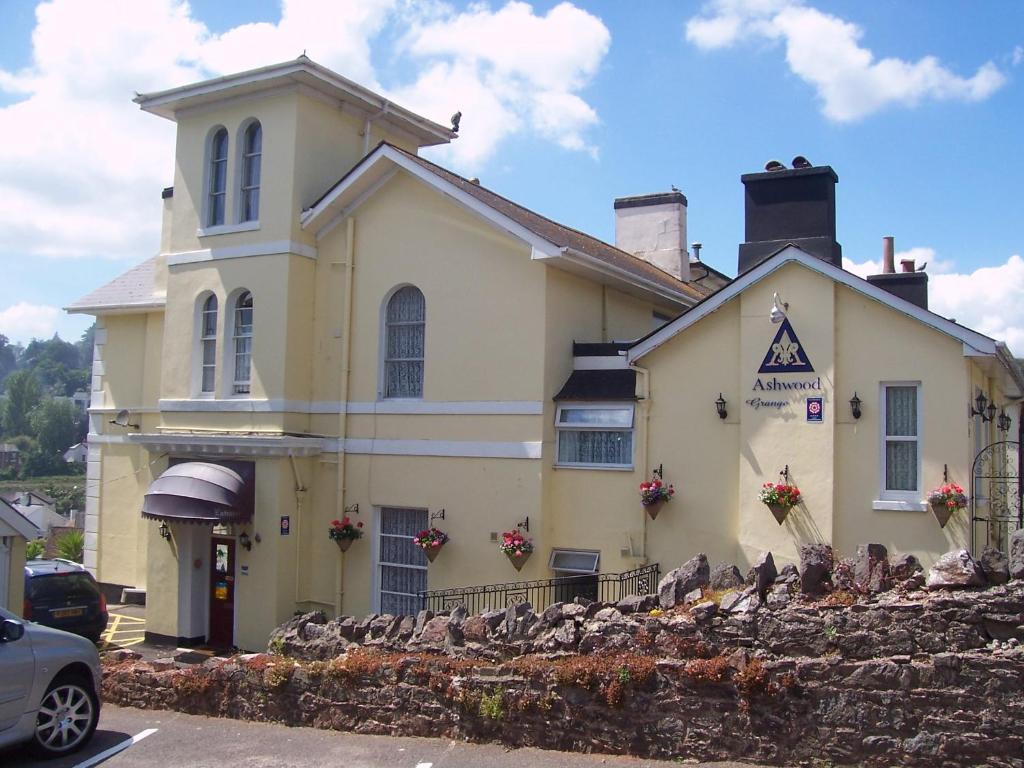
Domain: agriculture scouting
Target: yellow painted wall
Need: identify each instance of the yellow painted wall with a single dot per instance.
(126, 474)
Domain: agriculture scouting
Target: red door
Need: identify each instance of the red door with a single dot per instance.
(222, 593)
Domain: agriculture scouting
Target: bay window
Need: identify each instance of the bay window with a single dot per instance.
(599, 436)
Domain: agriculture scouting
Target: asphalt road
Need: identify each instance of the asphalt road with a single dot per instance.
(175, 739)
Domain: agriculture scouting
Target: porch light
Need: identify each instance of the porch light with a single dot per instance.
(982, 407)
(855, 405)
(245, 542)
(165, 532)
(720, 406)
(990, 412)
(1003, 424)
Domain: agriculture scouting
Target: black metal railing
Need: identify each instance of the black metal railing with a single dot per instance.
(606, 587)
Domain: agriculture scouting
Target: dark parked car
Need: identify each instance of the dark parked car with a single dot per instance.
(63, 595)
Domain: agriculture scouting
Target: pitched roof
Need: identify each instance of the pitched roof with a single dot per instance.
(131, 291)
(551, 232)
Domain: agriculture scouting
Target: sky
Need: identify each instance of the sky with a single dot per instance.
(566, 106)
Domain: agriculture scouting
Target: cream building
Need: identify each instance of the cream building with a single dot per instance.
(335, 326)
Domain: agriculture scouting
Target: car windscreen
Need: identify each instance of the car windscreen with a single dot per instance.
(60, 586)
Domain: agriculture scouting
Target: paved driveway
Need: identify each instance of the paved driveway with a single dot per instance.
(171, 739)
(125, 627)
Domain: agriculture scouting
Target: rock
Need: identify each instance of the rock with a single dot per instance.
(726, 576)
(608, 614)
(704, 611)
(567, 634)
(513, 615)
(788, 571)
(1017, 554)
(729, 599)
(914, 582)
(842, 575)
(120, 654)
(871, 568)
(994, 566)
(573, 610)
(693, 574)
(458, 615)
(552, 614)
(474, 629)
(762, 573)
(955, 569)
(435, 630)
(693, 596)
(903, 567)
(633, 604)
(779, 595)
(816, 561)
(493, 619)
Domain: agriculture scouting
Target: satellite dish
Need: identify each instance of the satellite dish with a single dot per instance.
(124, 419)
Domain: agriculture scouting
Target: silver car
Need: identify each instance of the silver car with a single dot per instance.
(49, 687)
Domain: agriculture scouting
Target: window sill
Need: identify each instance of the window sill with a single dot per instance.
(899, 506)
(227, 229)
(602, 467)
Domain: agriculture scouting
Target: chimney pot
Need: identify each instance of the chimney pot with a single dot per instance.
(888, 255)
(907, 265)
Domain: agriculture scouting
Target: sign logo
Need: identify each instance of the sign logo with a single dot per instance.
(815, 410)
(286, 525)
(786, 355)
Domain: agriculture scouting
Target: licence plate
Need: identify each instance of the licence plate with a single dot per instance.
(65, 613)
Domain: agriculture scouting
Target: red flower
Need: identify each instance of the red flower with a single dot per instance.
(359, 524)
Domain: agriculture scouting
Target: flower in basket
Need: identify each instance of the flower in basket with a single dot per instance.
(655, 491)
(515, 544)
(779, 494)
(951, 496)
(431, 538)
(345, 529)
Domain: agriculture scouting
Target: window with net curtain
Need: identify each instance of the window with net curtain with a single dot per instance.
(243, 343)
(208, 343)
(403, 566)
(901, 440)
(405, 324)
(595, 436)
(218, 181)
(252, 157)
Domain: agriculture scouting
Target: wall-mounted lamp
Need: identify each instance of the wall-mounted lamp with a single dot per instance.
(524, 524)
(244, 541)
(720, 406)
(982, 407)
(124, 419)
(855, 405)
(165, 532)
(1004, 421)
(779, 307)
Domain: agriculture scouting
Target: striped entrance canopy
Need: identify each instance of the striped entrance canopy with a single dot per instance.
(198, 492)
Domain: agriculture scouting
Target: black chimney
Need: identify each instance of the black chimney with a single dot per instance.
(784, 206)
(910, 284)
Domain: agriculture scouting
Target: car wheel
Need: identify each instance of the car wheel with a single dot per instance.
(67, 717)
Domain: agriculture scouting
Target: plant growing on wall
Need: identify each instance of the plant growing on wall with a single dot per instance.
(779, 498)
(430, 541)
(344, 532)
(654, 494)
(517, 547)
(946, 500)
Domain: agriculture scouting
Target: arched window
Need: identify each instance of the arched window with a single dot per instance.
(218, 181)
(208, 344)
(252, 155)
(405, 323)
(242, 338)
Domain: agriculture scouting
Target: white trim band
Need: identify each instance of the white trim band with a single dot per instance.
(283, 247)
(453, 448)
(383, 407)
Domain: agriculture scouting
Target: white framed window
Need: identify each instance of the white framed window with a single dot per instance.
(571, 562)
(595, 435)
(208, 345)
(251, 168)
(901, 442)
(217, 179)
(242, 343)
(405, 316)
(401, 565)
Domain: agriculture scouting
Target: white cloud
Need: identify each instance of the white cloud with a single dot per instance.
(23, 322)
(1017, 57)
(81, 167)
(824, 50)
(989, 300)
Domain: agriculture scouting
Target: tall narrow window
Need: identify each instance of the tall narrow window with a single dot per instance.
(218, 182)
(403, 566)
(252, 155)
(404, 335)
(208, 343)
(901, 441)
(243, 343)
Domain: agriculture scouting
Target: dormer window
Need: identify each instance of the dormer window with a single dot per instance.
(252, 155)
(218, 181)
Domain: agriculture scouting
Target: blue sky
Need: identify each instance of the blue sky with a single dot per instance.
(917, 106)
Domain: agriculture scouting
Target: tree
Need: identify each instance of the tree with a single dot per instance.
(23, 395)
(71, 546)
(54, 424)
(8, 359)
(85, 347)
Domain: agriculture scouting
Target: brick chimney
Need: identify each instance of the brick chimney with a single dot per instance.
(653, 228)
(790, 205)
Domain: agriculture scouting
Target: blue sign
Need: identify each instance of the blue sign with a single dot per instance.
(786, 355)
(815, 410)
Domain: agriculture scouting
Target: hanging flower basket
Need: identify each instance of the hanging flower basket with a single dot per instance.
(779, 498)
(343, 532)
(431, 541)
(945, 501)
(654, 494)
(517, 548)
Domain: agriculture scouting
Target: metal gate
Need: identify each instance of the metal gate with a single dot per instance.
(996, 510)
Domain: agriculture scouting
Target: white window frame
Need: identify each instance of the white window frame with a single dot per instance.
(376, 582)
(241, 164)
(383, 356)
(208, 177)
(574, 571)
(611, 405)
(201, 340)
(892, 499)
(230, 351)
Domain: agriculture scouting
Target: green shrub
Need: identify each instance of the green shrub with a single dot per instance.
(35, 549)
(71, 546)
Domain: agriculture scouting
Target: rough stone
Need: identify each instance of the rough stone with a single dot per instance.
(955, 569)
(725, 576)
(905, 566)
(762, 573)
(729, 599)
(435, 630)
(704, 611)
(693, 596)
(474, 629)
(994, 566)
(632, 604)
(693, 574)
(1017, 554)
(871, 568)
(816, 561)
